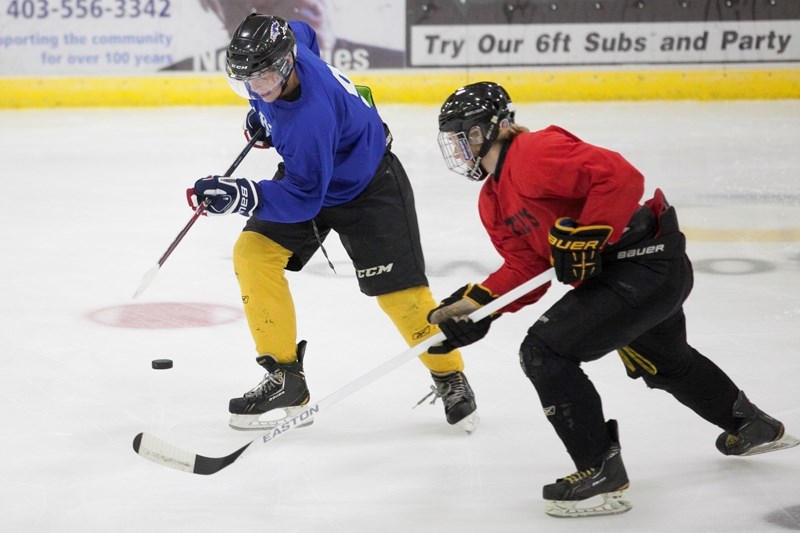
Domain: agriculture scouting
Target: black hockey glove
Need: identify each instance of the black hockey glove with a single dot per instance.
(452, 317)
(575, 250)
(252, 124)
(225, 195)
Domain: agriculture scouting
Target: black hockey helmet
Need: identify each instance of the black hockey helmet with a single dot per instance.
(262, 48)
(471, 117)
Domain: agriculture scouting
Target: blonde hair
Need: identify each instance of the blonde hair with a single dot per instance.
(507, 134)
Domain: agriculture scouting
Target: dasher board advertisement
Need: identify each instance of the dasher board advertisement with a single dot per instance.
(129, 37)
(487, 33)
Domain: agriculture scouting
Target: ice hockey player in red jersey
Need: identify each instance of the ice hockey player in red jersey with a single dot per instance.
(550, 199)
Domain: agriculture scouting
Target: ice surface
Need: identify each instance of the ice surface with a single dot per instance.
(92, 198)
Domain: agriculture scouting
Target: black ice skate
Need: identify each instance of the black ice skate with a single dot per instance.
(568, 497)
(458, 398)
(758, 432)
(280, 396)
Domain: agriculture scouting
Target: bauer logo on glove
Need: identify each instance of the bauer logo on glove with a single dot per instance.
(575, 250)
(223, 196)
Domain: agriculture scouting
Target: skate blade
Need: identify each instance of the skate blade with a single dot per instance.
(269, 420)
(470, 422)
(787, 441)
(613, 503)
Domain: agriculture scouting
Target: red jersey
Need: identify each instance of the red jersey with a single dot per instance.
(546, 175)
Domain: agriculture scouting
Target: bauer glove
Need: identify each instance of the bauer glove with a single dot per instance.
(254, 128)
(452, 317)
(224, 195)
(575, 250)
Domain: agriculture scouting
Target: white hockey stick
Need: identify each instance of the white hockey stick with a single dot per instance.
(164, 453)
(150, 275)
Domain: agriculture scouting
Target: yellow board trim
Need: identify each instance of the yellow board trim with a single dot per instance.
(415, 86)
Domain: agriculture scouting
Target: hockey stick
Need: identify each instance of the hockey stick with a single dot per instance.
(150, 275)
(164, 453)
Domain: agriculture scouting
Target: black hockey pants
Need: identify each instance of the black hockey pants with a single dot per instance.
(634, 306)
(378, 229)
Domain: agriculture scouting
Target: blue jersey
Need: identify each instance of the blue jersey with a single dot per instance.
(331, 140)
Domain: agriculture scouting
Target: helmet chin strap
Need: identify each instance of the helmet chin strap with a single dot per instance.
(285, 81)
(478, 173)
(283, 86)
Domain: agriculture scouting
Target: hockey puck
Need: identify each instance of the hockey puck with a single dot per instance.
(160, 364)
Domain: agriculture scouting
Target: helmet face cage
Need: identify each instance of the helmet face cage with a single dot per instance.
(260, 57)
(459, 151)
(469, 123)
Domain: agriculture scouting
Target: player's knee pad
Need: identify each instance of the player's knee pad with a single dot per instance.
(539, 362)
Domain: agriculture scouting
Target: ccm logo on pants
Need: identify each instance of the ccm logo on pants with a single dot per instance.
(374, 271)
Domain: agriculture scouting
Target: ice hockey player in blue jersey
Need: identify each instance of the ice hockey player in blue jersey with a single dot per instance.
(338, 173)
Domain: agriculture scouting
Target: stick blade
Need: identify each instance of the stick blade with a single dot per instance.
(147, 279)
(161, 452)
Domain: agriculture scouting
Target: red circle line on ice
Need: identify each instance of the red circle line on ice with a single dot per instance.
(165, 315)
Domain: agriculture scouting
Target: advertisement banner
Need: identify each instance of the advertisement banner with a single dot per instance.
(98, 37)
(488, 33)
(134, 37)
(352, 35)
(131, 37)
(604, 44)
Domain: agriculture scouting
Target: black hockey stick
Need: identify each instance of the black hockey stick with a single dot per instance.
(164, 453)
(150, 275)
